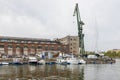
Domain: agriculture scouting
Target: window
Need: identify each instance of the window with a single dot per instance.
(74, 51)
(9, 46)
(39, 47)
(64, 48)
(17, 46)
(33, 47)
(58, 48)
(1, 46)
(74, 43)
(74, 47)
(46, 47)
(25, 46)
(74, 39)
(52, 47)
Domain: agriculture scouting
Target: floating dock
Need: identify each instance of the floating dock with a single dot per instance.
(100, 61)
(88, 61)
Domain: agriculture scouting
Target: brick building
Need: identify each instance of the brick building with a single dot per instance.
(17, 46)
(72, 42)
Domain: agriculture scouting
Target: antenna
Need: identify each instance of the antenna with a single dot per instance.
(97, 36)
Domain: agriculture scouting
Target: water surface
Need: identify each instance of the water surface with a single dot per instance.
(61, 72)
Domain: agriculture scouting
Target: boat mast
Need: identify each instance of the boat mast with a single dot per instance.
(80, 29)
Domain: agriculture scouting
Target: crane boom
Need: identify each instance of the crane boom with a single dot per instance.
(80, 29)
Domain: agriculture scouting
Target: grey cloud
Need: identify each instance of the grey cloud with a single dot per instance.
(53, 18)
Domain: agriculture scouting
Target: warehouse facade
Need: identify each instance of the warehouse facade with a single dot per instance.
(17, 46)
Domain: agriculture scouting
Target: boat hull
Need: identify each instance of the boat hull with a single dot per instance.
(33, 63)
(17, 63)
(5, 63)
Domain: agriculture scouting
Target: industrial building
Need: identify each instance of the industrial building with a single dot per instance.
(73, 42)
(18, 46)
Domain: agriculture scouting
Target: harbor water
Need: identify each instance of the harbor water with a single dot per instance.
(61, 72)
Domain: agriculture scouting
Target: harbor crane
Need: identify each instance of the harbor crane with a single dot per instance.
(80, 23)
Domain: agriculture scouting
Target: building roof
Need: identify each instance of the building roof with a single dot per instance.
(22, 38)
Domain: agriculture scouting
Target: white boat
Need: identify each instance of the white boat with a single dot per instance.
(32, 60)
(72, 60)
(17, 61)
(41, 62)
(4, 63)
(81, 61)
(60, 60)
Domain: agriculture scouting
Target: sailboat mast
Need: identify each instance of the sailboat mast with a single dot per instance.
(80, 29)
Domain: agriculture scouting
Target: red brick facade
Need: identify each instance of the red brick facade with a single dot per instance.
(26, 46)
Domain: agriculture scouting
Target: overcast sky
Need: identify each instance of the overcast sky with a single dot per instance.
(53, 19)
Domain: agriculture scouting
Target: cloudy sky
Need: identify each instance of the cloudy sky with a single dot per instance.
(53, 19)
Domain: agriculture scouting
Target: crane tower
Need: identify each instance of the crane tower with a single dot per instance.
(80, 29)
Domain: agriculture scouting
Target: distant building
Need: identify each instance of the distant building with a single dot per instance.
(17, 46)
(114, 50)
(73, 42)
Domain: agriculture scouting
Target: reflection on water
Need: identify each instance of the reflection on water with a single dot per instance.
(102, 71)
(61, 72)
(42, 72)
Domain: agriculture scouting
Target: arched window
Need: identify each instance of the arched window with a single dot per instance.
(1, 46)
(25, 46)
(17, 46)
(58, 48)
(39, 47)
(46, 47)
(32, 47)
(9, 46)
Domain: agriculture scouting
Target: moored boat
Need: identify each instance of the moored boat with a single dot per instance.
(17, 61)
(41, 62)
(72, 60)
(5, 63)
(50, 62)
(75, 60)
(81, 61)
(32, 60)
(60, 60)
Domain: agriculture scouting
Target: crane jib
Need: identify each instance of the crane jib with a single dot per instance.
(80, 32)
